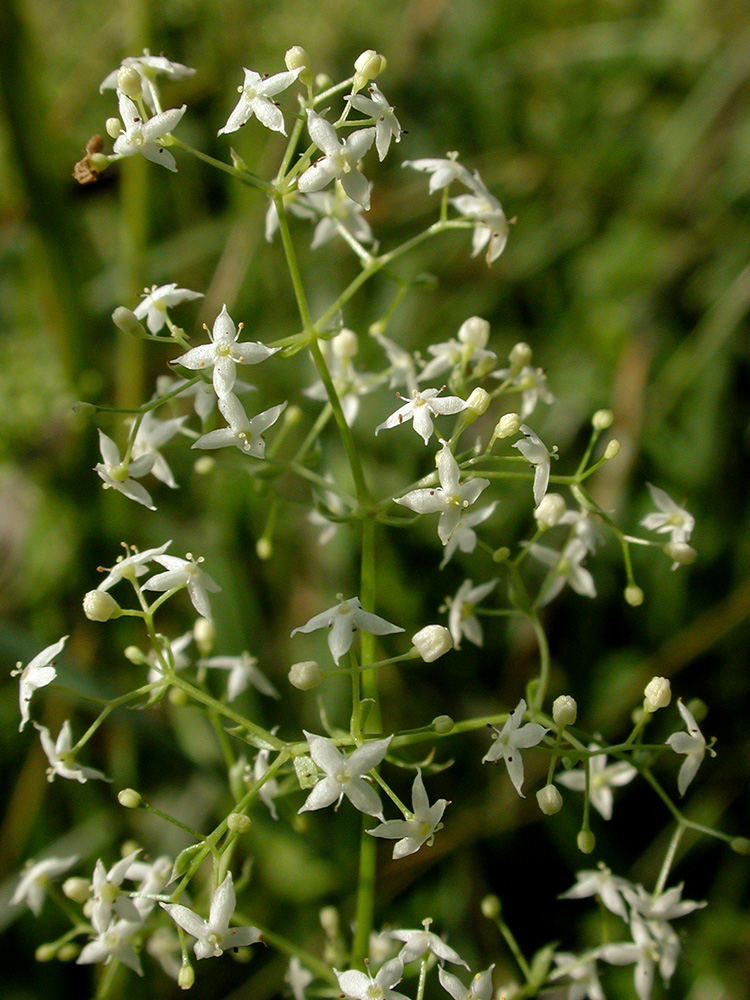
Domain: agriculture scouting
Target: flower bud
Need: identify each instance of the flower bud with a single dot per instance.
(68, 952)
(129, 798)
(135, 656)
(238, 822)
(491, 907)
(204, 466)
(549, 800)
(292, 416)
(186, 977)
(45, 952)
(478, 403)
(612, 450)
(76, 888)
(698, 709)
(177, 697)
(586, 841)
(129, 82)
(602, 419)
(442, 724)
(127, 321)
(501, 554)
(113, 127)
(305, 675)
(329, 920)
(520, 355)
(204, 633)
(740, 845)
(634, 596)
(474, 331)
(432, 641)
(550, 510)
(658, 694)
(507, 425)
(681, 552)
(264, 548)
(298, 58)
(345, 345)
(99, 606)
(367, 65)
(565, 710)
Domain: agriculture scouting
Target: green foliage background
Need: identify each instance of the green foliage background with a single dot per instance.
(618, 135)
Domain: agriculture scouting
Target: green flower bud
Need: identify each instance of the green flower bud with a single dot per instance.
(602, 419)
(586, 841)
(491, 907)
(129, 82)
(238, 822)
(634, 596)
(474, 331)
(565, 710)
(99, 606)
(129, 798)
(442, 724)
(306, 675)
(432, 641)
(549, 800)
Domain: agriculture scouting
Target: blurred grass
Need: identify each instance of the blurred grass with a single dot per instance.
(618, 134)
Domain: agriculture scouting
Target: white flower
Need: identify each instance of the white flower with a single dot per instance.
(463, 536)
(643, 951)
(185, 573)
(131, 567)
(419, 942)
(584, 527)
(121, 476)
(461, 620)
(347, 381)
(363, 986)
(113, 942)
(298, 978)
(603, 778)
(456, 354)
(155, 302)
(153, 434)
(510, 740)
(582, 971)
(214, 936)
(421, 408)
(338, 215)
(34, 878)
(140, 137)
(37, 673)
(492, 229)
(480, 989)
(223, 354)
(412, 833)
(674, 520)
(566, 568)
(609, 888)
(148, 68)
(403, 369)
(270, 788)
(449, 499)
(106, 894)
(255, 93)
(387, 126)
(443, 172)
(692, 743)
(344, 776)
(152, 878)
(341, 160)
(172, 652)
(537, 454)
(343, 620)
(60, 760)
(243, 432)
(669, 905)
(243, 671)
(533, 385)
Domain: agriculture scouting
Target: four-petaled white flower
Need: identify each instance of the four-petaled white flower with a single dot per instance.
(463, 536)
(418, 942)
(585, 984)
(60, 759)
(341, 160)
(461, 619)
(533, 385)
(669, 905)
(34, 878)
(148, 68)
(609, 888)
(449, 499)
(420, 829)
(111, 942)
(538, 455)
(223, 354)
(692, 743)
(255, 93)
(510, 740)
(455, 354)
(298, 978)
(140, 137)
(492, 227)
(603, 777)
(337, 215)
(343, 620)
(214, 936)
(121, 476)
(442, 172)
(185, 573)
(37, 673)
(421, 408)
(270, 788)
(363, 986)
(153, 434)
(480, 989)
(344, 776)
(243, 671)
(671, 518)
(566, 568)
(243, 432)
(132, 566)
(107, 896)
(387, 126)
(155, 302)
(643, 950)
